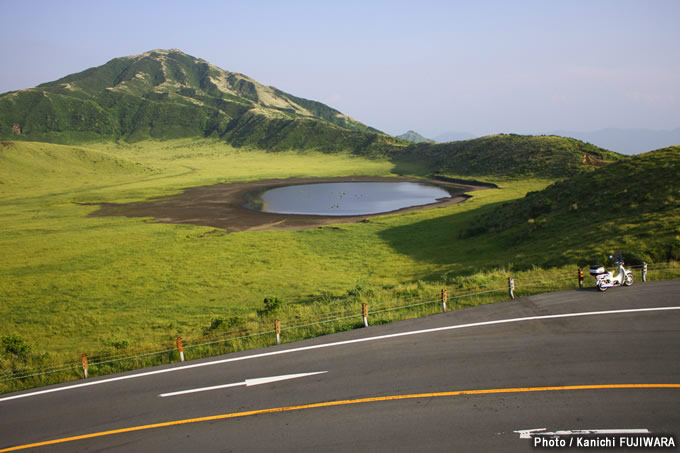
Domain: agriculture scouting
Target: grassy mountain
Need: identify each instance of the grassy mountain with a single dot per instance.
(414, 137)
(507, 155)
(165, 94)
(632, 206)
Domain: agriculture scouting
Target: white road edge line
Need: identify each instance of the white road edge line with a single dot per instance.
(339, 343)
(247, 383)
(529, 433)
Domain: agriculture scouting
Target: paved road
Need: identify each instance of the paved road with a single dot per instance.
(369, 367)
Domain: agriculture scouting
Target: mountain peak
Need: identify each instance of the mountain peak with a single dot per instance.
(155, 52)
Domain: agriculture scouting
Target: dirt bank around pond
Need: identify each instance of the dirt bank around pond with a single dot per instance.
(223, 205)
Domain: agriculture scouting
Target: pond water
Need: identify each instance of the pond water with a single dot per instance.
(346, 198)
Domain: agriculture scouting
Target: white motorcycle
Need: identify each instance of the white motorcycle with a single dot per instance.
(605, 280)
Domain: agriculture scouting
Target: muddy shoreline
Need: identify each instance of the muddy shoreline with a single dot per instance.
(223, 205)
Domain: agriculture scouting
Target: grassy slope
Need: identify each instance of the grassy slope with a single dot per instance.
(86, 282)
(632, 206)
(28, 168)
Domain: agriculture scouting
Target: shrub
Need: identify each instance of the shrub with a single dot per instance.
(14, 344)
(271, 305)
(223, 324)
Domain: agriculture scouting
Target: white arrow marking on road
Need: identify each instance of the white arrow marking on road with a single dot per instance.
(247, 383)
(267, 380)
(529, 433)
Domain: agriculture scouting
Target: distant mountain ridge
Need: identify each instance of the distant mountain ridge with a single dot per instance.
(454, 137)
(506, 154)
(169, 94)
(414, 137)
(624, 141)
(627, 141)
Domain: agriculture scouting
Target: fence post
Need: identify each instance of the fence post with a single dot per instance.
(83, 359)
(277, 326)
(511, 287)
(580, 278)
(644, 271)
(444, 300)
(364, 313)
(180, 348)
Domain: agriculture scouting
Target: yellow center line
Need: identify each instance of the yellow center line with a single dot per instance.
(342, 403)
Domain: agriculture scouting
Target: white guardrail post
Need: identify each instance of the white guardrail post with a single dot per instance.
(511, 287)
(83, 359)
(180, 348)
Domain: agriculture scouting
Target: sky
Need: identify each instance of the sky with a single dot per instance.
(435, 67)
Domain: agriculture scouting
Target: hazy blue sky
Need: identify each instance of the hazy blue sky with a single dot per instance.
(432, 66)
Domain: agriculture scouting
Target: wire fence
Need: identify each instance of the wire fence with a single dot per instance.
(347, 317)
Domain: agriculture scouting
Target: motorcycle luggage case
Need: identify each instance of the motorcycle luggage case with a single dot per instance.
(597, 269)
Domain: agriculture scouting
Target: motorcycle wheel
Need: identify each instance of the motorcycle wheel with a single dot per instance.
(601, 287)
(629, 280)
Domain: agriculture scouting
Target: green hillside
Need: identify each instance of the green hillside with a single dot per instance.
(506, 155)
(632, 206)
(167, 94)
(30, 167)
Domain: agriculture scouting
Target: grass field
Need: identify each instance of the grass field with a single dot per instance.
(72, 284)
(67, 278)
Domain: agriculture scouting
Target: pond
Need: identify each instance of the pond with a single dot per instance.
(346, 198)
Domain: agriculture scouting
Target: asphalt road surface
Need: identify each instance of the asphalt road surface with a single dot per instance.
(430, 384)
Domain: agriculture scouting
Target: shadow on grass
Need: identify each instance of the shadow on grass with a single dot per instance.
(438, 241)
